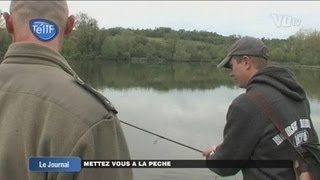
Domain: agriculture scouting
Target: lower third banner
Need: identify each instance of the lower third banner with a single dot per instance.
(74, 164)
(186, 164)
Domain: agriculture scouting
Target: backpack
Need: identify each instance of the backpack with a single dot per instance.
(307, 164)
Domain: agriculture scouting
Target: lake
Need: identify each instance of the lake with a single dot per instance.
(186, 102)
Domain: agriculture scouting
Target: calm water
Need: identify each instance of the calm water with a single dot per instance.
(184, 102)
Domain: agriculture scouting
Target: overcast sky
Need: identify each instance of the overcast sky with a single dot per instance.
(254, 18)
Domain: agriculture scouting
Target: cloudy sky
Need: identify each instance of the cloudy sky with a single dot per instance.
(273, 19)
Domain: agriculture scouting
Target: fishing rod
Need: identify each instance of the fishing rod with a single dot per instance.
(176, 142)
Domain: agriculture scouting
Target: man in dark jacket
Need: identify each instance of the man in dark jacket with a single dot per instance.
(46, 110)
(248, 133)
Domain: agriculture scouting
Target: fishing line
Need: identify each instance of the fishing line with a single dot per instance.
(176, 142)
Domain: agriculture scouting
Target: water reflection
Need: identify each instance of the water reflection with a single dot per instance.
(193, 117)
(169, 76)
(309, 79)
(160, 77)
(185, 102)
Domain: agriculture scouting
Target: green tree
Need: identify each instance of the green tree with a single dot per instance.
(182, 54)
(69, 49)
(88, 37)
(277, 54)
(172, 40)
(117, 47)
(312, 46)
(4, 37)
(138, 49)
(5, 41)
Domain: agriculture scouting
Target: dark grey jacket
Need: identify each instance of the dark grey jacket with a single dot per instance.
(250, 135)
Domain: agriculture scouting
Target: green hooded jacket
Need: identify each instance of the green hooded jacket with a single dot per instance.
(46, 110)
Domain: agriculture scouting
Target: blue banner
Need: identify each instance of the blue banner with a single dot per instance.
(55, 164)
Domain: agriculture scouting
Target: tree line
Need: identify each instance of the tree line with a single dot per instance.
(89, 42)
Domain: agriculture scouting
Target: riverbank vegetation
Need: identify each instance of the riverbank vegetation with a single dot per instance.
(89, 42)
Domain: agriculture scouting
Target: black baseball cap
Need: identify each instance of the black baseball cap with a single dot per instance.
(249, 46)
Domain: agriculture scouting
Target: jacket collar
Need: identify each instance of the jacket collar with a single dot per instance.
(32, 53)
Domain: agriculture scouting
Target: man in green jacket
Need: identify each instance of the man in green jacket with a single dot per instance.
(46, 110)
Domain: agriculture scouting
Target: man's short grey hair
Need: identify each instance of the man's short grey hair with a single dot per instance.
(55, 11)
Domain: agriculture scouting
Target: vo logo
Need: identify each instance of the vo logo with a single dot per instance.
(43, 29)
(285, 21)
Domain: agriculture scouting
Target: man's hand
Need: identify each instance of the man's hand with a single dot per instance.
(209, 152)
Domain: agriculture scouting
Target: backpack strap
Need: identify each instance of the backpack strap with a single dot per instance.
(274, 116)
(105, 102)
